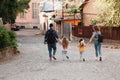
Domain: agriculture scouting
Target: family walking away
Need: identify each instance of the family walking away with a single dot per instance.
(51, 37)
(98, 38)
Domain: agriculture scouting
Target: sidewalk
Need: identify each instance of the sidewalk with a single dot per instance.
(33, 62)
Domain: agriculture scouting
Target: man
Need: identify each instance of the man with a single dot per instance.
(51, 37)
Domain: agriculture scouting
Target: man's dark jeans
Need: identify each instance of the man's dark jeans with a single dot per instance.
(52, 47)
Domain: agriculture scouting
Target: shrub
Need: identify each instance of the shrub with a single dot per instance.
(12, 36)
(7, 38)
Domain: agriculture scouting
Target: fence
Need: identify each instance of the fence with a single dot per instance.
(86, 32)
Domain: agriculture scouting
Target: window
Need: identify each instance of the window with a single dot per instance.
(22, 15)
(35, 10)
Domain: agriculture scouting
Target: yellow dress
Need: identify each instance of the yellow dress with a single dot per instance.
(81, 47)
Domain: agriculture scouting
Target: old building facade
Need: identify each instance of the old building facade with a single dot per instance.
(30, 17)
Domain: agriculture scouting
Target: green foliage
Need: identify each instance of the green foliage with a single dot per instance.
(22, 5)
(72, 10)
(109, 12)
(4, 37)
(10, 8)
(71, 6)
(93, 22)
(7, 38)
(12, 36)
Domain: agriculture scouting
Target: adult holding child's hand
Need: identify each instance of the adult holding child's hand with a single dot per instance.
(97, 44)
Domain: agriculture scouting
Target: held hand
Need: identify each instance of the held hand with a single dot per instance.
(59, 41)
(89, 42)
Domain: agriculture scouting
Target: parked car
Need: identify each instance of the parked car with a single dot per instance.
(15, 28)
(35, 27)
(22, 27)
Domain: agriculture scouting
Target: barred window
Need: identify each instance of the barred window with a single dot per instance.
(35, 10)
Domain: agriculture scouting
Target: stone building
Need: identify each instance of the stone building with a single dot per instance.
(30, 18)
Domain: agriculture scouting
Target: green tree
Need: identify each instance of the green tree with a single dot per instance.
(109, 12)
(10, 8)
(71, 7)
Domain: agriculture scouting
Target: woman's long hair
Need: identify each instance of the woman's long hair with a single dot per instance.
(96, 28)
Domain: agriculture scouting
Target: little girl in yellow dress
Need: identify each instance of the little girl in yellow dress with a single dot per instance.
(81, 46)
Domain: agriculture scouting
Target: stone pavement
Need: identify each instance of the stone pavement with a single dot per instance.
(33, 64)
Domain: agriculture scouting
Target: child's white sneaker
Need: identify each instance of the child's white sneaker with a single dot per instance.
(96, 58)
(80, 59)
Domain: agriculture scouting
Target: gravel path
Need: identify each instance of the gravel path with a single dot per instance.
(33, 63)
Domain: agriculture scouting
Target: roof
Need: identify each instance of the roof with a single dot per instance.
(76, 17)
(84, 3)
(48, 6)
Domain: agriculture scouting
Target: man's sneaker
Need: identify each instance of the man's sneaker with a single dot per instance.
(96, 58)
(54, 58)
(67, 57)
(100, 59)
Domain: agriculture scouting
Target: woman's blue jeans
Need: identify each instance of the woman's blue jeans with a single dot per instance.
(97, 46)
(52, 48)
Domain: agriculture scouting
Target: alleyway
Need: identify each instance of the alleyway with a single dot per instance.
(33, 64)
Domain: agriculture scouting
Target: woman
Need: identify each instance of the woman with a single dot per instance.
(97, 44)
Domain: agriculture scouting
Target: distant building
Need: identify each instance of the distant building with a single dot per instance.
(89, 12)
(43, 12)
(36, 14)
(49, 10)
(30, 17)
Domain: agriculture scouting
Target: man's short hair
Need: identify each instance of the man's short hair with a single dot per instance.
(51, 25)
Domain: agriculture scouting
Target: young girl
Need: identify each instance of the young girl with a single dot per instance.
(81, 47)
(64, 44)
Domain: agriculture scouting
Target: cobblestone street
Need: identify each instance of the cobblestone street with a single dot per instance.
(33, 63)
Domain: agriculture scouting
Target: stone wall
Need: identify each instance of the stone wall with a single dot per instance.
(7, 53)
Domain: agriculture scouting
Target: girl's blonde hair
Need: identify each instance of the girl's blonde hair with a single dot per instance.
(96, 28)
(65, 43)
